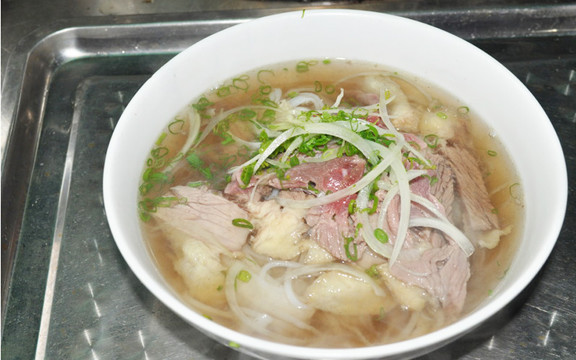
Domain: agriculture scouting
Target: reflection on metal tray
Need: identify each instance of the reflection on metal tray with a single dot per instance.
(71, 294)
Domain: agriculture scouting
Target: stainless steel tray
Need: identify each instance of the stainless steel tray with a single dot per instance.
(66, 291)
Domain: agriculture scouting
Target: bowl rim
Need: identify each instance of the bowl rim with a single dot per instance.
(434, 339)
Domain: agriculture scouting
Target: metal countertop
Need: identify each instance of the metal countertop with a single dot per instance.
(68, 70)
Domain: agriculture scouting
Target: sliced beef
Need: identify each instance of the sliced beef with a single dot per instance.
(443, 187)
(254, 190)
(331, 175)
(429, 259)
(205, 216)
(442, 271)
(477, 208)
(330, 223)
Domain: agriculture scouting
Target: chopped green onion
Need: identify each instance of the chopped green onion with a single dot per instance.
(515, 192)
(312, 187)
(373, 272)
(381, 235)
(244, 276)
(265, 89)
(207, 173)
(241, 83)
(260, 73)
(228, 139)
(246, 174)
(431, 140)
(463, 109)
(176, 126)
(304, 66)
(247, 114)
(243, 223)
(294, 161)
(352, 207)
(202, 104)
(161, 139)
(374, 207)
(194, 161)
(159, 152)
(442, 115)
(387, 94)
(223, 91)
(491, 153)
(349, 255)
(358, 228)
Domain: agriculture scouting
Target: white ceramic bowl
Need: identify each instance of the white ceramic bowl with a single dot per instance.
(452, 64)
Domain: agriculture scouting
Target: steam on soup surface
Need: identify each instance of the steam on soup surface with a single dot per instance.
(330, 204)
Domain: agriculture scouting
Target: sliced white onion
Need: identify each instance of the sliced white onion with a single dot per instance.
(428, 205)
(230, 291)
(369, 149)
(449, 229)
(193, 130)
(251, 161)
(290, 149)
(276, 143)
(339, 98)
(367, 229)
(252, 145)
(405, 204)
(385, 204)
